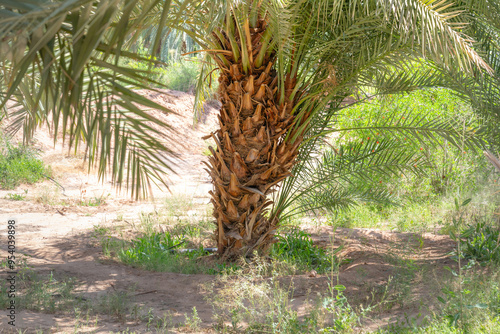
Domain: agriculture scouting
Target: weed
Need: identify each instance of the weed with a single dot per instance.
(472, 300)
(116, 303)
(156, 252)
(160, 324)
(253, 303)
(337, 306)
(19, 165)
(151, 246)
(481, 242)
(181, 76)
(261, 305)
(95, 201)
(193, 322)
(471, 305)
(178, 205)
(16, 197)
(37, 292)
(206, 151)
(100, 231)
(48, 196)
(149, 221)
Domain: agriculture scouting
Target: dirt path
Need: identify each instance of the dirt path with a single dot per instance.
(55, 234)
(73, 254)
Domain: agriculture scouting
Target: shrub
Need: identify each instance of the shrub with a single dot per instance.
(181, 76)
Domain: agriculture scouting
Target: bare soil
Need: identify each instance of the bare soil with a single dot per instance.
(55, 234)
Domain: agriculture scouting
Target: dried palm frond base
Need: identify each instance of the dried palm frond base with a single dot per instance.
(251, 156)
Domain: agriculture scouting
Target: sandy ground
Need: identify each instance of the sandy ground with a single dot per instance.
(58, 238)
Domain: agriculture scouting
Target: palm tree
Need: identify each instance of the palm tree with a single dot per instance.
(285, 69)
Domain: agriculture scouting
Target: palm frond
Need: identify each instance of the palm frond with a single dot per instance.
(389, 144)
(331, 181)
(68, 74)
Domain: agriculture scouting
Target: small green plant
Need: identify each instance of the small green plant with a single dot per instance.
(116, 303)
(40, 292)
(151, 246)
(481, 242)
(95, 201)
(254, 305)
(100, 231)
(193, 322)
(16, 197)
(178, 205)
(459, 301)
(337, 306)
(48, 195)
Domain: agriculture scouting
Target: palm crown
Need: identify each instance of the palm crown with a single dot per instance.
(286, 67)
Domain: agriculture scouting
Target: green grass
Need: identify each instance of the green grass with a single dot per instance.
(19, 164)
(470, 303)
(157, 252)
(55, 293)
(297, 250)
(95, 201)
(45, 293)
(485, 324)
(158, 236)
(181, 76)
(250, 301)
(421, 201)
(178, 205)
(411, 216)
(419, 215)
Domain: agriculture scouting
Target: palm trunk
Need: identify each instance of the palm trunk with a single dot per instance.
(251, 156)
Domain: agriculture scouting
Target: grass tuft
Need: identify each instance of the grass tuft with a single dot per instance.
(297, 249)
(157, 252)
(19, 164)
